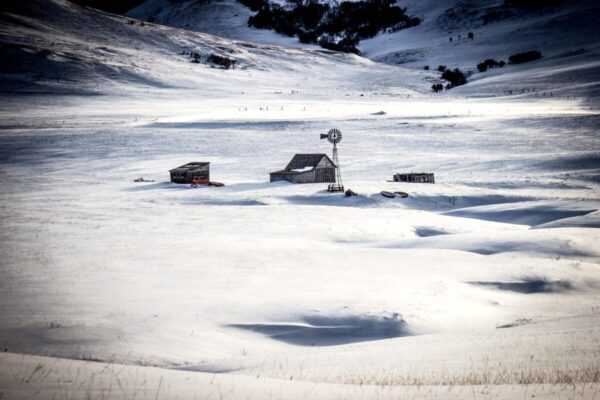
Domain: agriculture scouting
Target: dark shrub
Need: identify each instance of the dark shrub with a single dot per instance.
(307, 37)
(339, 26)
(310, 15)
(195, 57)
(521, 58)
(346, 45)
(441, 68)
(263, 19)
(426, 68)
(489, 63)
(221, 61)
(437, 87)
(471, 35)
(455, 77)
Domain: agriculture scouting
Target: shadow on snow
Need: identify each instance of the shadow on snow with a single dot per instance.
(529, 286)
(317, 330)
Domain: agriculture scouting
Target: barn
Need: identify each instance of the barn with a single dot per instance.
(307, 168)
(190, 171)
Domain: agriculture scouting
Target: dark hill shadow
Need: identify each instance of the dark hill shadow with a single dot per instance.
(530, 286)
(427, 232)
(318, 330)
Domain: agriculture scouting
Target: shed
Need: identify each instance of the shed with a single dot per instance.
(415, 177)
(190, 171)
(307, 168)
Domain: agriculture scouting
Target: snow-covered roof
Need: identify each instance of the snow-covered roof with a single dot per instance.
(192, 166)
(302, 161)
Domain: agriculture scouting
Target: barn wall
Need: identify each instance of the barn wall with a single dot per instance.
(189, 176)
(274, 177)
(325, 163)
(325, 174)
(305, 177)
(203, 174)
(316, 175)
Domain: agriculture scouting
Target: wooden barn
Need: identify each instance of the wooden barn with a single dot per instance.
(307, 168)
(414, 177)
(190, 171)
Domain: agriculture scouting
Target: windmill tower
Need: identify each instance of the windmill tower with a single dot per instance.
(335, 136)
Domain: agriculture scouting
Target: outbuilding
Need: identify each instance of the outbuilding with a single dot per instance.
(189, 172)
(415, 177)
(307, 168)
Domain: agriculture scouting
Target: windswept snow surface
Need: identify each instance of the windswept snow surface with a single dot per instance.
(490, 277)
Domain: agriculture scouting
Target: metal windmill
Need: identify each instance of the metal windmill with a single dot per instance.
(335, 136)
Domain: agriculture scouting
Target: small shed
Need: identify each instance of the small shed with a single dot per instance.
(190, 171)
(307, 168)
(415, 177)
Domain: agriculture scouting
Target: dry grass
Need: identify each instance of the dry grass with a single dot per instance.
(71, 379)
(532, 376)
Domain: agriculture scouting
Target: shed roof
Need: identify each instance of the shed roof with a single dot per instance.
(301, 161)
(191, 166)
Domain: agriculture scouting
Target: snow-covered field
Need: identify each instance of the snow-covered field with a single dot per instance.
(484, 285)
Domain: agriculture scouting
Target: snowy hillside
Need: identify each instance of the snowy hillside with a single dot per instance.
(566, 34)
(281, 21)
(58, 46)
(485, 284)
(225, 18)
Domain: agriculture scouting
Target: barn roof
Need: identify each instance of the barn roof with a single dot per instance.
(301, 161)
(192, 166)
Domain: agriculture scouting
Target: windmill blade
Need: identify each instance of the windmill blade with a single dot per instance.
(334, 136)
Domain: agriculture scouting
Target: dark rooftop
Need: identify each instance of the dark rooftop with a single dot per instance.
(191, 166)
(301, 161)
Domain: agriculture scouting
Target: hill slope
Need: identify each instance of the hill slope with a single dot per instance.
(566, 34)
(58, 46)
(225, 18)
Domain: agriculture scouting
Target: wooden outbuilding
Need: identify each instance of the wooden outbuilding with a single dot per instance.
(307, 168)
(189, 172)
(415, 177)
